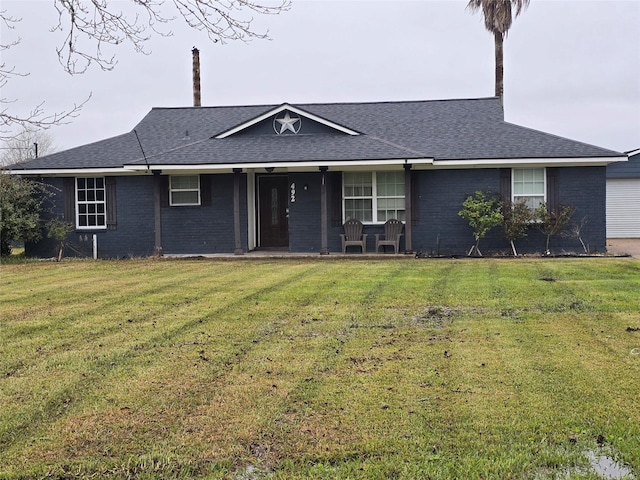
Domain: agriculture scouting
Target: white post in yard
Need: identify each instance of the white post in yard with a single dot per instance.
(95, 246)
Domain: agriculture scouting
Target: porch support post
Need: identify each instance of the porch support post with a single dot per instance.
(237, 175)
(324, 239)
(157, 212)
(407, 209)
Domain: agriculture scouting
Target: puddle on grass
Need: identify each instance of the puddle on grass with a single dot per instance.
(607, 468)
(604, 466)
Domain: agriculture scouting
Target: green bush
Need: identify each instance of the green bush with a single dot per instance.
(552, 222)
(518, 217)
(483, 212)
(20, 206)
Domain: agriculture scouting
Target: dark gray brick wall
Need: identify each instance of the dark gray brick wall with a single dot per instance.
(133, 236)
(440, 230)
(206, 229)
(304, 213)
(585, 188)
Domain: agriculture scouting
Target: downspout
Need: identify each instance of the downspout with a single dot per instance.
(157, 213)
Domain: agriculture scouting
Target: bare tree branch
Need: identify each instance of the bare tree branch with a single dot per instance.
(92, 27)
(37, 118)
(98, 24)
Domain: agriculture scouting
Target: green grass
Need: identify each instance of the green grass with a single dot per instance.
(318, 369)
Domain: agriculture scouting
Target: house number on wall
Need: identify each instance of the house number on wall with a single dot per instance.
(293, 193)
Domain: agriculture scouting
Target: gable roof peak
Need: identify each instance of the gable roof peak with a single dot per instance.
(286, 107)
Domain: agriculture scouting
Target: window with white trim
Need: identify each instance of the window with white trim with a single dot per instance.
(184, 190)
(529, 184)
(373, 197)
(91, 205)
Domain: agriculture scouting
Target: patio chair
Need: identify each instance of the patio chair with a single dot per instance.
(392, 233)
(353, 236)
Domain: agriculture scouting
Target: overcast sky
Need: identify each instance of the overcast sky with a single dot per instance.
(572, 68)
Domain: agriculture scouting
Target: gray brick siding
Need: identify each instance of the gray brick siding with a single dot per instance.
(439, 230)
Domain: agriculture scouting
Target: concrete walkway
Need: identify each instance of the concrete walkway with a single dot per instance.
(630, 246)
(262, 254)
(620, 246)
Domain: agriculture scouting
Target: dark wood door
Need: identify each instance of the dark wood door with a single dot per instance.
(274, 211)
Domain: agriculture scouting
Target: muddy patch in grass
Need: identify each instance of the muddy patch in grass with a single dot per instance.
(383, 326)
(547, 279)
(437, 316)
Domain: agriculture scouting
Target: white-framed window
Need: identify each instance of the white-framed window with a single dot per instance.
(91, 203)
(529, 184)
(184, 190)
(373, 197)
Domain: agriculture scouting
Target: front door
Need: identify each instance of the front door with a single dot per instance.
(273, 211)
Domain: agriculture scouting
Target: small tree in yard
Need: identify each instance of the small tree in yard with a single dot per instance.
(552, 222)
(575, 231)
(518, 217)
(58, 230)
(482, 211)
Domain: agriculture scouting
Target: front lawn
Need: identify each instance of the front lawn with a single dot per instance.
(319, 368)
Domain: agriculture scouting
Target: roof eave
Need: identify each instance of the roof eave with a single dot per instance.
(51, 172)
(633, 152)
(133, 169)
(289, 165)
(525, 162)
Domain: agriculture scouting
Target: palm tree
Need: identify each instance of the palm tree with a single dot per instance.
(498, 17)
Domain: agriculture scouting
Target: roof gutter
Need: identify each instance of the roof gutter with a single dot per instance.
(477, 163)
(289, 165)
(523, 162)
(75, 171)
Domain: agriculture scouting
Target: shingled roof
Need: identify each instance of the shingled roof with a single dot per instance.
(465, 130)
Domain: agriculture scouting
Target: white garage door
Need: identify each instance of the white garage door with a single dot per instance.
(623, 208)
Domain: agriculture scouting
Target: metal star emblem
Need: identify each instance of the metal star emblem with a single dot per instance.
(287, 123)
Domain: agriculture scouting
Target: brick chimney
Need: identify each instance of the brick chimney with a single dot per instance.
(196, 77)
